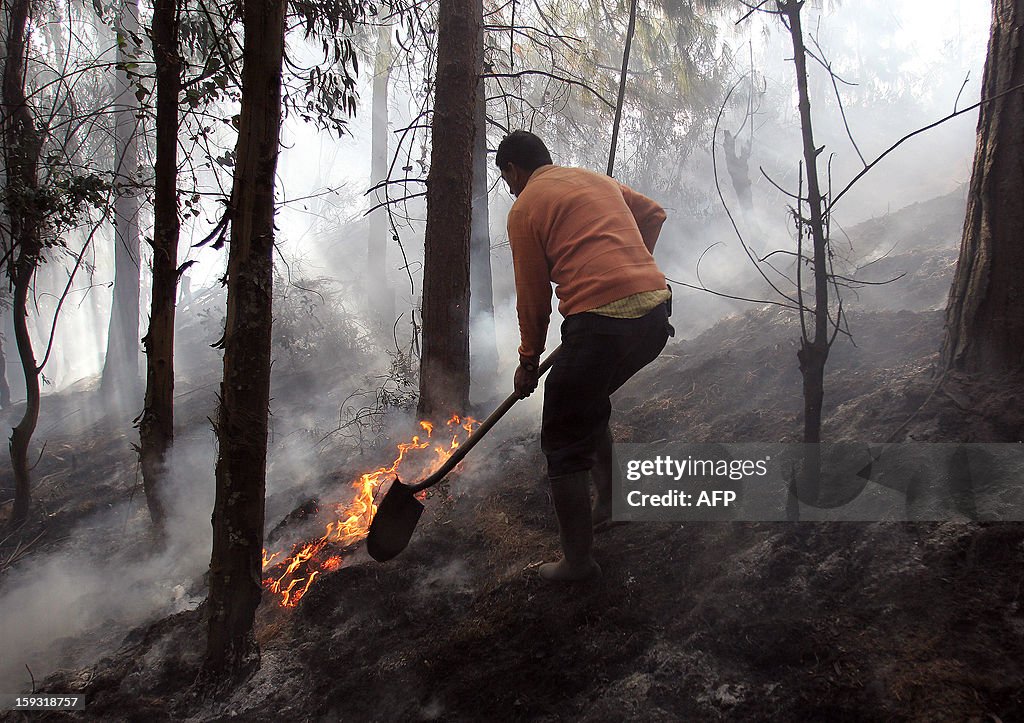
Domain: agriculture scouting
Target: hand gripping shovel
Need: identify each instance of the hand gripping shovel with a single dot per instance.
(399, 511)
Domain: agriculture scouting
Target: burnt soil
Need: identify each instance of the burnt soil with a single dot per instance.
(689, 621)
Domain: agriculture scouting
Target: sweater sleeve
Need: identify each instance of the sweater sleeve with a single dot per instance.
(649, 215)
(533, 283)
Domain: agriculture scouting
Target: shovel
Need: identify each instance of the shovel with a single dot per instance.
(399, 511)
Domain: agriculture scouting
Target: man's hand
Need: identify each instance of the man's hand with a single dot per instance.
(526, 378)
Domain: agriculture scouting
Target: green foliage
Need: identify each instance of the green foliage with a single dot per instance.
(328, 98)
(67, 196)
(325, 93)
(677, 71)
(326, 19)
(62, 199)
(318, 91)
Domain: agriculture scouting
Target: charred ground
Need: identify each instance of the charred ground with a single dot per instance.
(707, 621)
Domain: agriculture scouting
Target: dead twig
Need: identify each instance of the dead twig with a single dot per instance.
(20, 550)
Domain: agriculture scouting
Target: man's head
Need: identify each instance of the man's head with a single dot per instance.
(519, 155)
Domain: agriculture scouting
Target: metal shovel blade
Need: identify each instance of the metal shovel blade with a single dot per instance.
(394, 522)
(399, 511)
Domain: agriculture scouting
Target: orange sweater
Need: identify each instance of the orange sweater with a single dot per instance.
(586, 232)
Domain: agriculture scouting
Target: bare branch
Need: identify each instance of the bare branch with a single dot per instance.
(754, 9)
(839, 98)
(919, 131)
(388, 182)
(790, 194)
(960, 92)
(861, 282)
(391, 201)
(730, 296)
(570, 81)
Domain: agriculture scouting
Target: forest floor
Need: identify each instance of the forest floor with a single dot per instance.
(689, 621)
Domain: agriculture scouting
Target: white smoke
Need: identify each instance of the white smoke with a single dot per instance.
(69, 606)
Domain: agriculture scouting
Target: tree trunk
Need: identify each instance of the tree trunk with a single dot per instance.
(380, 294)
(631, 27)
(813, 351)
(236, 563)
(22, 145)
(120, 380)
(444, 365)
(156, 426)
(985, 313)
(484, 339)
(5, 388)
(739, 171)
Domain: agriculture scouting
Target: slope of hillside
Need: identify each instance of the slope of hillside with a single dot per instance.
(708, 621)
(690, 621)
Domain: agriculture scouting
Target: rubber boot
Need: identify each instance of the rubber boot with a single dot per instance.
(601, 474)
(571, 496)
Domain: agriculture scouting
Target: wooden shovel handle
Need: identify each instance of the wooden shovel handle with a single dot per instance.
(479, 432)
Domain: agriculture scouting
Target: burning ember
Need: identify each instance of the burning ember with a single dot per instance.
(293, 575)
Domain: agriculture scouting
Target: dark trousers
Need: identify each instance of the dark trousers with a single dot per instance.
(599, 354)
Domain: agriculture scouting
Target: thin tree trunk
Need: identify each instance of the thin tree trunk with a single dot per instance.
(381, 296)
(814, 351)
(120, 379)
(5, 388)
(21, 435)
(156, 426)
(444, 365)
(484, 339)
(238, 516)
(22, 144)
(631, 27)
(985, 315)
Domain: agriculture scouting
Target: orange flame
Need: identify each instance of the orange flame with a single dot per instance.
(332, 563)
(353, 520)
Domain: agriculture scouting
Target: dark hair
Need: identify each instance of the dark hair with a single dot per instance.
(524, 149)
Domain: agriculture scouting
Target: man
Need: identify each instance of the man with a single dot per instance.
(593, 237)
